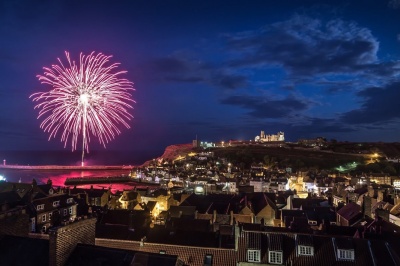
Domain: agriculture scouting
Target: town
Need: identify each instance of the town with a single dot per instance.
(258, 202)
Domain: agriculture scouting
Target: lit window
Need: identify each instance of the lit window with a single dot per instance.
(70, 210)
(345, 254)
(208, 260)
(253, 255)
(275, 257)
(44, 218)
(305, 250)
(40, 207)
(56, 203)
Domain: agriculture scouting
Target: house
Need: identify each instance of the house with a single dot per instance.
(93, 197)
(262, 206)
(160, 196)
(266, 247)
(14, 219)
(349, 214)
(52, 210)
(129, 199)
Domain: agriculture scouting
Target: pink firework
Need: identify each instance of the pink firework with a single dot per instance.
(86, 99)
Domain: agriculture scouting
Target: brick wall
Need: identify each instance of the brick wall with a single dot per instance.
(63, 239)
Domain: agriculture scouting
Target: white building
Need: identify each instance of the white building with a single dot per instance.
(280, 136)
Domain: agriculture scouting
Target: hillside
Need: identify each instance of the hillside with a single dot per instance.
(333, 155)
(172, 152)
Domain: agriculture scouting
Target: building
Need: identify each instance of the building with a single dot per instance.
(280, 136)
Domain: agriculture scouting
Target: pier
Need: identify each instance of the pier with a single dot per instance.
(107, 180)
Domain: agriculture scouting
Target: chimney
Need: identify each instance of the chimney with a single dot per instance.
(63, 239)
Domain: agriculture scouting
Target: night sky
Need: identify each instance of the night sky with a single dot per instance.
(218, 70)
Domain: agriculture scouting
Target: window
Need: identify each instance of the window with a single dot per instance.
(44, 218)
(33, 224)
(44, 229)
(40, 207)
(65, 212)
(305, 250)
(253, 255)
(70, 200)
(208, 258)
(50, 214)
(275, 257)
(345, 254)
(56, 203)
(70, 210)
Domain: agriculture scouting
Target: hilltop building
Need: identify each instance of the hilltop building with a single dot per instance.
(280, 136)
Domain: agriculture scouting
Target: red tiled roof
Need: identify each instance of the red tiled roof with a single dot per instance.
(189, 255)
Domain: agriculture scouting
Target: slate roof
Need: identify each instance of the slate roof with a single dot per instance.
(24, 251)
(177, 211)
(11, 198)
(350, 211)
(120, 232)
(162, 235)
(298, 203)
(260, 200)
(92, 192)
(221, 203)
(366, 252)
(94, 255)
(118, 217)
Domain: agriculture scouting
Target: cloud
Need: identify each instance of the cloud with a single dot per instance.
(395, 4)
(380, 105)
(306, 47)
(264, 108)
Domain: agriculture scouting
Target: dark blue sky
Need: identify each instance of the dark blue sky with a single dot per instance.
(216, 69)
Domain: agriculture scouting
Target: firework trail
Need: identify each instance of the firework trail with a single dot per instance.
(87, 99)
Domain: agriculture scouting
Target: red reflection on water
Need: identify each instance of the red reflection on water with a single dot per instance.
(58, 179)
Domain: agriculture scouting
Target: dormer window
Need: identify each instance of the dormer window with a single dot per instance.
(344, 248)
(56, 203)
(275, 257)
(305, 245)
(305, 250)
(70, 200)
(254, 255)
(40, 207)
(345, 254)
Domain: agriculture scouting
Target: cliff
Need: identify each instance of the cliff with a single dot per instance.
(172, 152)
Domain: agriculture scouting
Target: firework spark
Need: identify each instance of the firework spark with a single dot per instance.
(86, 99)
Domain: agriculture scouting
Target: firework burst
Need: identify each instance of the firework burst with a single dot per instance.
(87, 99)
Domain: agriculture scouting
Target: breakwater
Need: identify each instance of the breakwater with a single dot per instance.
(67, 167)
(106, 180)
